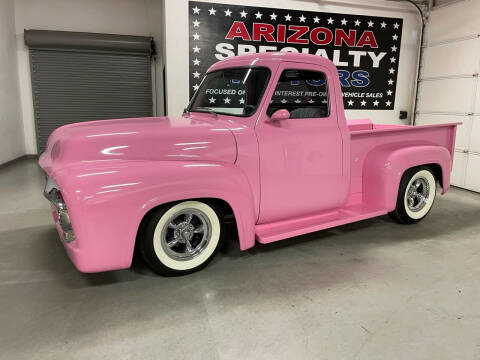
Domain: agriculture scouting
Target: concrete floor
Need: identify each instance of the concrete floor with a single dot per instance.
(370, 290)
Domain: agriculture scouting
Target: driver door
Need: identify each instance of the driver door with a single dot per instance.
(301, 158)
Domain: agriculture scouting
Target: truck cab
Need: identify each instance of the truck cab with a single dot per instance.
(301, 153)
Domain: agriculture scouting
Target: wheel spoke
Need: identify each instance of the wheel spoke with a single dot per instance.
(172, 243)
(172, 225)
(198, 230)
(188, 247)
(188, 217)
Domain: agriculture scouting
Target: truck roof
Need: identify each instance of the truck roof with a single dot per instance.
(264, 58)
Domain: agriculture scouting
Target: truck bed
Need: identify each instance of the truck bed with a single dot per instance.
(365, 136)
(362, 126)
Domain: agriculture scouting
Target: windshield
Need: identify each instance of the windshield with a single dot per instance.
(233, 91)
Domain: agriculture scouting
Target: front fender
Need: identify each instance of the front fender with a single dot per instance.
(106, 204)
(384, 167)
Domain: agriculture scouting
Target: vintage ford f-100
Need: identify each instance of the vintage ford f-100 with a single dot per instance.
(264, 141)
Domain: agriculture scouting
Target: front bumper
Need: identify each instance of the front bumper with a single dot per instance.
(59, 209)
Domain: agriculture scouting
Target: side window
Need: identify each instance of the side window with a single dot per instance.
(303, 93)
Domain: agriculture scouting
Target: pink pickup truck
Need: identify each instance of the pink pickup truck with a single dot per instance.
(264, 141)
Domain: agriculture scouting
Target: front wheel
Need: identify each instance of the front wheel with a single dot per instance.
(416, 195)
(181, 238)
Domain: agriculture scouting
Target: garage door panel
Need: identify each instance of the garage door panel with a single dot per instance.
(447, 95)
(463, 131)
(74, 86)
(440, 62)
(443, 26)
(450, 87)
(477, 101)
(459, 169)
(472, 180)
(475, 135)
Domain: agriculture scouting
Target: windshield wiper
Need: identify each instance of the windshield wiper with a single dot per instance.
(205, 109)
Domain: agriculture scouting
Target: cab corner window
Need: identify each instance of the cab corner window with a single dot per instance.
(303, 93)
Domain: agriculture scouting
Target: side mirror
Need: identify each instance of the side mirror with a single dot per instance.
(281, 114)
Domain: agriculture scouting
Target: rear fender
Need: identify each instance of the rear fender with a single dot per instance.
(384, 167)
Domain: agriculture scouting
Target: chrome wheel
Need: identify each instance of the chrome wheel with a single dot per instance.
(418, 194)
(186, 235)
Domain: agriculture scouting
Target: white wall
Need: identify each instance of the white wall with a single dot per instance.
(450, 88)
(126, 17)
(176, 47)
(11, 133)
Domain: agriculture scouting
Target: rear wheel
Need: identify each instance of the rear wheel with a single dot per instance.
(416, 195)
(181, 238)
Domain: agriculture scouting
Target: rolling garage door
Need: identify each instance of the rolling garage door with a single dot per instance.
(450, 90)
(81, 76)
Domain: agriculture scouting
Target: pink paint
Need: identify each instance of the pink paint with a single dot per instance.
(281, 178)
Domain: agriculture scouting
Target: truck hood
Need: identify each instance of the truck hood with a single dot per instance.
(155, 138)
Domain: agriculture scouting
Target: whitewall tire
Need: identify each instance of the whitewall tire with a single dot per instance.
(416, 195)
(181, 238)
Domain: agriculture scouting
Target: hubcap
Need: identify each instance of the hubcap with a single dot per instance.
(186, 234)
(418, 194)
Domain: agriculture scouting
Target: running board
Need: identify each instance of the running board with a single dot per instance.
(270, 232)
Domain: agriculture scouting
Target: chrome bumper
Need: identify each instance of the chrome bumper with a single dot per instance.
(53, 194)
